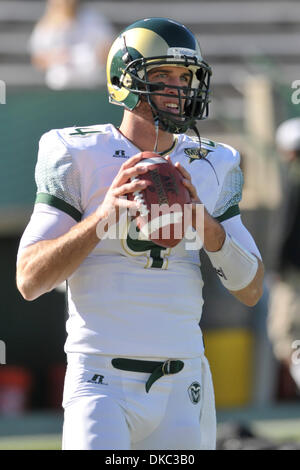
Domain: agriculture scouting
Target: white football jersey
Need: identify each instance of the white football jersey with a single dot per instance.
(131, 297)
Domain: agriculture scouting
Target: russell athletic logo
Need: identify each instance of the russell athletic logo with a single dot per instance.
(120, 154)
(97, 379)
(194, 391)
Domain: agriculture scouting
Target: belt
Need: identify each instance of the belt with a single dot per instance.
(157, 369)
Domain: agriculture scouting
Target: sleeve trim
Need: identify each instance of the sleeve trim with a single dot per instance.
(59, 204)
(231, 212)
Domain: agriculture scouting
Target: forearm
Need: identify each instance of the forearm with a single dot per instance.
(46, 264)
(237, 265)
(251, 294)
(214, 233)
(239, 270)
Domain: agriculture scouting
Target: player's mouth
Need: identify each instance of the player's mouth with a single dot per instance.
(172, 107)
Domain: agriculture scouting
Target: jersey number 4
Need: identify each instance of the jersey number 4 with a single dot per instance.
(156, 255)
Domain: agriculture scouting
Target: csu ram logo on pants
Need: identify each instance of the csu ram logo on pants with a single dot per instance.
(195, 392)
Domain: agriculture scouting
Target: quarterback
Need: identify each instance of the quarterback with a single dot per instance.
(137, 376)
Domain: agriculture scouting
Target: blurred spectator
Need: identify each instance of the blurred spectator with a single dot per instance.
(284, 314)
(70, 43)
(15, 389)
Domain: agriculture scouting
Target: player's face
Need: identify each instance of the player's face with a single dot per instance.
(173, 76)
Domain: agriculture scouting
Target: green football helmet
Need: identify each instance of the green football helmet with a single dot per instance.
(151, 43)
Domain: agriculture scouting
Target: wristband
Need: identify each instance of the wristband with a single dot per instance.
(235, 266)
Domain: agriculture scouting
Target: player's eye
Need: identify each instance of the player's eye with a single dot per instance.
(160, 76)
(185, 78)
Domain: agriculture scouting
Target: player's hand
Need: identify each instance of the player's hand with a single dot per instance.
(187, 181)
(121, 186)
(209, 229)
(195, 216)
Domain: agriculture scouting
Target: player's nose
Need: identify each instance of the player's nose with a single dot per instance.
(169, 86)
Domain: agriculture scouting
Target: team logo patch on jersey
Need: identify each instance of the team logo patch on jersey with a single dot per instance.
(196, 153)
(200, 154)
(194, 391)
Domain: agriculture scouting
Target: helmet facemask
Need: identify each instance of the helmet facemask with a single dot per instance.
(192, 99)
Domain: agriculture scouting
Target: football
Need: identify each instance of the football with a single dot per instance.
(162, 215)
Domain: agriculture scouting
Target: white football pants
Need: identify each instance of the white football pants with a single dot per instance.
(109, 409)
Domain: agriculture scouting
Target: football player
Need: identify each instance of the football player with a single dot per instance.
(137, 376)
